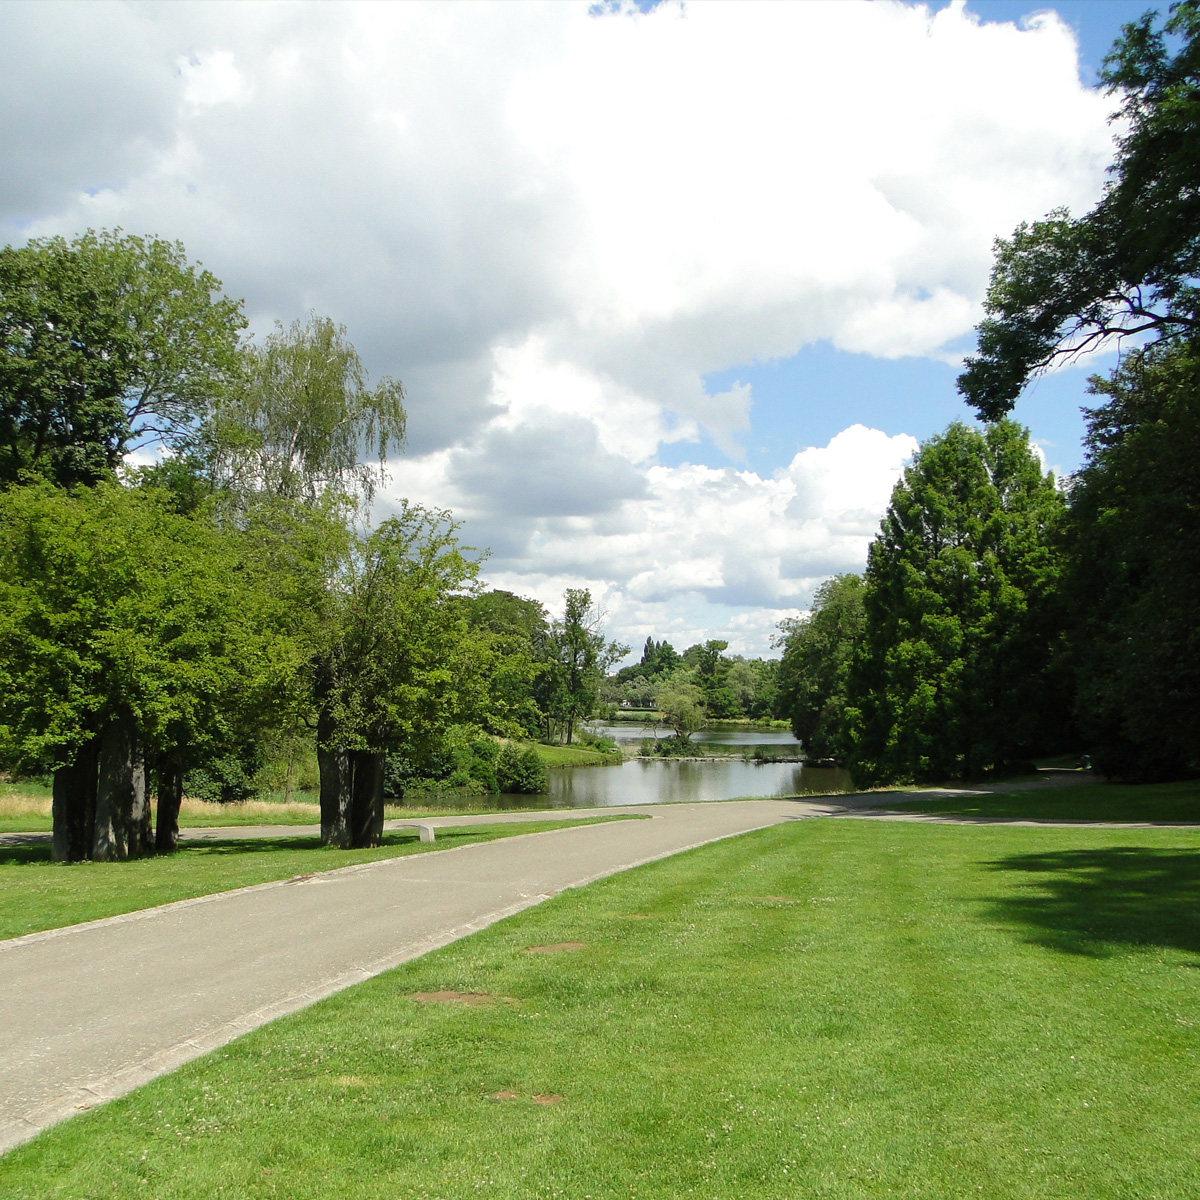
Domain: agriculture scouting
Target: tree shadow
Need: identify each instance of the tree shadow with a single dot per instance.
(1093, 901)
(24, 855)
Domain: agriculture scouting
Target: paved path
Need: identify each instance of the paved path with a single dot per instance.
(92, 1011)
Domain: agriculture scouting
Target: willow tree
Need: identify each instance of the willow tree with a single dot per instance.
(304, 420)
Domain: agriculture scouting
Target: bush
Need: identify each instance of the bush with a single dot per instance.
(521, 770)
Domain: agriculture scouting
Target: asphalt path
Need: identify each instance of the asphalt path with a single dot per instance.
(92, 1011)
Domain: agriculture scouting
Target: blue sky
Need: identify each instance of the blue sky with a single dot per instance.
(674, 294)
(805, 399)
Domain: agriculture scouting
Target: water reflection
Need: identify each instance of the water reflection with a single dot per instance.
(658, 781)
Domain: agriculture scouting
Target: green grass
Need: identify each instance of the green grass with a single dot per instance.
(37, 894)
(574, 756)
(825, 1009)
(1078, 802)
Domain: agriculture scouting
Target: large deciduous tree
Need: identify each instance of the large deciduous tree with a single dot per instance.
(962, 629)
(392, 662)
(106, 341)
(130, 639)
(1134, 582)
(1131, 265)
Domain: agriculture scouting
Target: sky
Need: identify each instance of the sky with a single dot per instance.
(674, 294)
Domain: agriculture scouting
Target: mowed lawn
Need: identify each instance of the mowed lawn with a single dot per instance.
(822, 1009)
(1160, 802)
(37, 894)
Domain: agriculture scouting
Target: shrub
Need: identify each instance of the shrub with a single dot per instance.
(521, 770)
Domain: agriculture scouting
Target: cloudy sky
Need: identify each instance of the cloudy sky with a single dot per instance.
(673, 294)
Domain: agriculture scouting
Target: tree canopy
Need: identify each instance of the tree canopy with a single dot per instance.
(960, 629)
(106, 341)
(1128, 267)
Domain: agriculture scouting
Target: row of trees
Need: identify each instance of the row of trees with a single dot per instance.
(999, 615)
(719, 685)
(177, 618)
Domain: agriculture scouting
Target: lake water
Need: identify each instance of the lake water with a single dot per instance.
(657, 781)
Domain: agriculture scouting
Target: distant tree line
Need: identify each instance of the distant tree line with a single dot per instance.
(1001, 616)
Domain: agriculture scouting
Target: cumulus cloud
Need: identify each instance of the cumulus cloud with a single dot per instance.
(552, 226)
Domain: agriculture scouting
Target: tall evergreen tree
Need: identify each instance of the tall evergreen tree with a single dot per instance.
(956, 676)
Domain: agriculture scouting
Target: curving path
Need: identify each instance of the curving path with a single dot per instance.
(92, 1011)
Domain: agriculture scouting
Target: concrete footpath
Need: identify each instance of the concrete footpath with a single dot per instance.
(92, 1011)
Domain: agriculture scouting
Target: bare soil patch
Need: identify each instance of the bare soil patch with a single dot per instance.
(505, 1095)
(446, 997)
(546, 1098)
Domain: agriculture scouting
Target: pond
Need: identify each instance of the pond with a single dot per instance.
(657, 781)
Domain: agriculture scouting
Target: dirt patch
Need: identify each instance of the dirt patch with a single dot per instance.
(505, 1096)
(556, 948)
(474, 998)
(546, 1098)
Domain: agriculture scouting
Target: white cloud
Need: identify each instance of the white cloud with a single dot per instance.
(552, 226)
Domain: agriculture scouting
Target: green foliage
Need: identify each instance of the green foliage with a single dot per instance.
(576, 658)
(1134, 582)
(814, 674)
(1131, 264)
(302, 417)
(682, 708)
(520, 769)
(106, 340)
(111, 603)
(962, 625)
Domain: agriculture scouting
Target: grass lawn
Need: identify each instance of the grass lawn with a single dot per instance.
(574, 756)
(824, 1009)
(1079, 802)
(37, 894)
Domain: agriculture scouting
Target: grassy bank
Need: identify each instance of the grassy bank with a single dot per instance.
(575, 756)
(826, 1009)
(1080, 802)
(37, 894)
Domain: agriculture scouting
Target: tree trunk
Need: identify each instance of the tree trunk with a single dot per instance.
(337, 796)
(367, 817)
(170, 795)
(122, 825)
(74, 805)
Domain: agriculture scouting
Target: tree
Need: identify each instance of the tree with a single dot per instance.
(682, 707)
(1130, 266)
(304, 420)
(578, 656)
(392, 664)
(958, 669)
(814, 673)
(131, 639)
(1134, 578)
(106, 341)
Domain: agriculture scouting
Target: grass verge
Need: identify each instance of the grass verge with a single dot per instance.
(1079, 802)
(826, 1009)
(37, 894)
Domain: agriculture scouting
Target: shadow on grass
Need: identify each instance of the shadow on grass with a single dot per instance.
(1093, 901)
(26, 855)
